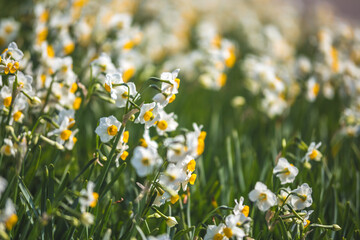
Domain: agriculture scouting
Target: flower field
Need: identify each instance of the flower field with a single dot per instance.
(131, 119)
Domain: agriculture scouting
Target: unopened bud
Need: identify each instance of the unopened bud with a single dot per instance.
(171, 221)
(35, 100)
(336, 227)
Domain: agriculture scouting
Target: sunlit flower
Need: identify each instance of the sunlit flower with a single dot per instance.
(302, 198)
(8, 148)
(144, 160)
(214, 232)
(108, 128)
(263, 197)
(285, 171)
(240, 208)
(313, 153)
(88, 197)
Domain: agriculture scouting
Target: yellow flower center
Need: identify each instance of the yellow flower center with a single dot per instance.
(50, 51)
(128, 73)
(174, 199)
(201, 146)
(202, 135)
(43, 79)
(307, 223)
(162, 125)
(230, 61)
(44, 16)
(124, 155)
(69, 48)
(96, 197)
(218, 236)
(335, 60)
(7, 101)
(17, 116)
(41, 37)
(148, 116)
(172, 98)
(128, 45)
(77, 103)
(222, 79)
(245, 210)
(126, 137)
(74, 140)
(145, 161)
(143, 143)
(73, 88)
(65, 135)
(177, 80)
(112, 130)
(262, 197)
(7, 150)
(107, 88)
(191, 165)
(125, 95)
(316, 89)
(192, 179)
(313, 154)
(11, 221)
(228, 232)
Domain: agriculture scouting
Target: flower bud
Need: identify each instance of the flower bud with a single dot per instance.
(336, 227)
(171, 221)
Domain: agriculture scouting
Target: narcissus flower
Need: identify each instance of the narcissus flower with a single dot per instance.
(233, 227)
(240, 208)
(285, 171)
(88, 197)
(263, 197)
(108, 128)
(313, 153)
(214, 232)
(302, 198)
(148, 115)
(8, 215)
(8, 148)
(144, 160)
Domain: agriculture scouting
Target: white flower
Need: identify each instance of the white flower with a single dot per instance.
(102, 64)
(285, 171)
(14, 52)
(166, 122)
(172, 176)
(146, 141)
(313, 153)
(215, 232)
(168, 90)
(240, 208)
(108, 128)
(303, 198)
(123, 93)
(111, 79)
(5, 96)
(148, 115)
(88, 197)
(8, 215)
(313, 88)
(87, 219)
(8, 148)
(232, 228)
(144, 160)
(284, 196)
(63, 132)
(263, 197)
